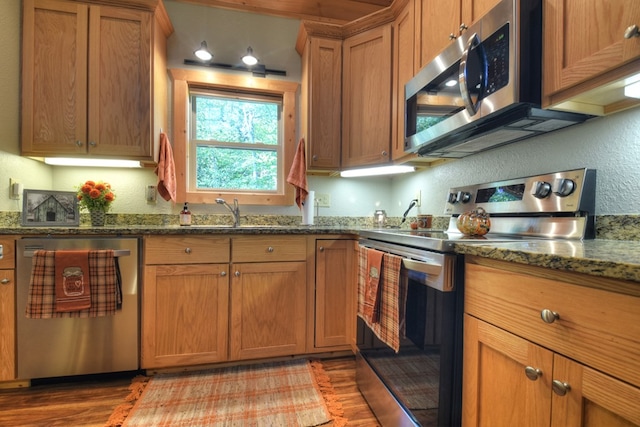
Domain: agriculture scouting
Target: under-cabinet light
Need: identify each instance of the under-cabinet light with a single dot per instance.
(95, 163)
(382, 170)
(632, 90)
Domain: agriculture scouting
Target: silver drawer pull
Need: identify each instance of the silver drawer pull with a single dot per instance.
(549, 316)
(187, 250)
(270, 249)
(532, 373)
(421, 266)
(560, 388)
(5, 281)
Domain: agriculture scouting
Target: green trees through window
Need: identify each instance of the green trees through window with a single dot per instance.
(236, 142)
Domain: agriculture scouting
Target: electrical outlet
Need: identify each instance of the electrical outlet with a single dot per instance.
(15, 189)
(418, 197)
(323, 200)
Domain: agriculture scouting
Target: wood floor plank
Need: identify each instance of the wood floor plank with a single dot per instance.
(90, 403)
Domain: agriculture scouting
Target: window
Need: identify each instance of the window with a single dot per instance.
(233, 137)
(235, 142)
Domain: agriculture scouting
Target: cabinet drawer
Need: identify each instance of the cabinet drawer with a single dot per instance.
(268, 248)
(8, 259)
(185, 250)
(598, 328)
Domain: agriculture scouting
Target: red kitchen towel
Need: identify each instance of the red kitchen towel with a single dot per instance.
(166, 170)
(298, 174)
(72, 280)
(104, 282)
(371, 303)
(392, 298)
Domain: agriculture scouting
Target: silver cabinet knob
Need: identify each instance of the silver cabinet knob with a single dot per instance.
(631, 31)
(78, 143)
(560, 388)
(384, 153)
(532, 373)
(5, 281)
(270, 249)
(314, 158)
(463, 27)
(237, 273)
(92, 143)
(452, 36)
(223, 273)
(321, 248)
(549, 316)
(187, 250)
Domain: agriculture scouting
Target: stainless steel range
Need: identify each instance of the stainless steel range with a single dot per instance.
(423, 387)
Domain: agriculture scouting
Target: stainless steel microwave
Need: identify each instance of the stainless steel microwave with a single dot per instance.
(484, 90)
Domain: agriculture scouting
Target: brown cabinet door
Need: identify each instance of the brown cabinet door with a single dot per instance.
(268, 307)
(366, 124)
(322, 101)
(54, 77)
(8, 323)
(120, 82)
(584, 39)
(591, 398)
(496, 388)
(438, 24)
(403, 62)
(335, 293)
(185, 311)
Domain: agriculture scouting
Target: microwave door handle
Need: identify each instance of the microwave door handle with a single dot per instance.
(462, 75)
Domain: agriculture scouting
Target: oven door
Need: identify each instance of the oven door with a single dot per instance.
(420, 385)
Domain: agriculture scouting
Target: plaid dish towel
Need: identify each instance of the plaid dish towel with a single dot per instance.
(104, 283)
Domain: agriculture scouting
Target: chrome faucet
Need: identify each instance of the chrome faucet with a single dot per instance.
(235, 210)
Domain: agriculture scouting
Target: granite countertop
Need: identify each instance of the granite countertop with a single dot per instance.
(616, 259)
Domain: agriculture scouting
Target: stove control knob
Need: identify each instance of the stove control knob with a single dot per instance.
(453, 198)
(464, 197)
(564, 187)
(541, 189)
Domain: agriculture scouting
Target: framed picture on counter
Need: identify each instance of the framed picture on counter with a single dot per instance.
(42, 208)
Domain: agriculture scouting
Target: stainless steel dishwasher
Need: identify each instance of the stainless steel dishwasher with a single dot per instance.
(77, 346)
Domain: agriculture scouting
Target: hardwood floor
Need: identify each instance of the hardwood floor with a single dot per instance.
(89, 403)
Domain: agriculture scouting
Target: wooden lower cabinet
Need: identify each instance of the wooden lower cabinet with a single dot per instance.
(7, 310)
(185, 315)
(335, 293)
(267, 309)
(576, 368)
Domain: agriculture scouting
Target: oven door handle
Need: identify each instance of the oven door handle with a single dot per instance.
(422, 267)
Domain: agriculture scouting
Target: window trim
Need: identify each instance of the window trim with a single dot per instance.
(184, 79)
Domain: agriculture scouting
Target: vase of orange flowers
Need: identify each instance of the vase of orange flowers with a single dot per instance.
(96, 197)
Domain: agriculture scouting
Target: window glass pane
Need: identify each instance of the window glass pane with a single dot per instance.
(236, 120)
(236, 168)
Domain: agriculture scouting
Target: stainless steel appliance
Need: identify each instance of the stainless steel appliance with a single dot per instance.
(484, 90)
(76, 346)
(424, 386)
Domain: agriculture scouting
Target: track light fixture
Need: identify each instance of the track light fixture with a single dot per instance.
(249, 59)
(203, 53)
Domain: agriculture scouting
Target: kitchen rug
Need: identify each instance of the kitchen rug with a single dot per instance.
(291, 393)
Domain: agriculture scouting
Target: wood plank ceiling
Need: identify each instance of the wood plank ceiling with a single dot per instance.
(337, 11)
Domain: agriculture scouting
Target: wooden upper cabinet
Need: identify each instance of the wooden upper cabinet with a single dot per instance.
(585, 48)
(366, 98)
(442, 21)
(404, 70)
(321, 97)
(87, 80)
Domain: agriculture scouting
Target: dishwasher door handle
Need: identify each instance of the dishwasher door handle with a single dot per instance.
(422, 267)
(28, 253)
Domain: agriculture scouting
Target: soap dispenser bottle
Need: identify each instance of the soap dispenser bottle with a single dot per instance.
(185, 215)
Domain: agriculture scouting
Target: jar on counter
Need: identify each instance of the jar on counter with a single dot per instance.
(380, 218)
